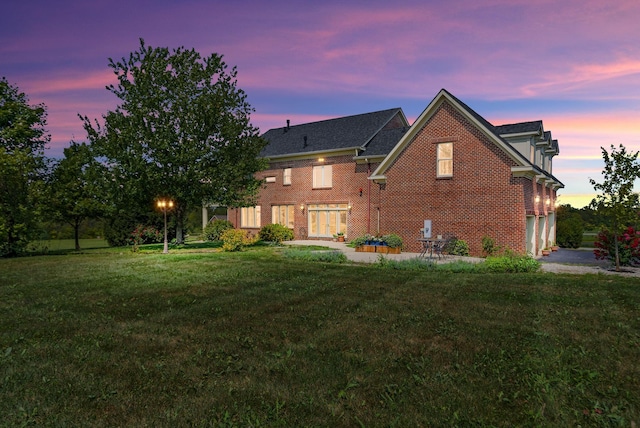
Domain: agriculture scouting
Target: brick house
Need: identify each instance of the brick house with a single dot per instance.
(373, 173)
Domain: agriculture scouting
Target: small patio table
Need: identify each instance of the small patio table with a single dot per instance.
(431, 244)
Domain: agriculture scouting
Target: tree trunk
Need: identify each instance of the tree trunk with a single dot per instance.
(617, 253)
(180, 226)
(76, 232)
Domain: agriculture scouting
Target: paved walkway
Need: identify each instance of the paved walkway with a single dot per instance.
(578, 261)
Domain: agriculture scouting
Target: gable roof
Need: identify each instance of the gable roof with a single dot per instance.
(523, 165)
(340, 134)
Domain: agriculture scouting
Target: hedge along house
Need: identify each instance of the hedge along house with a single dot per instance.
(373, 173)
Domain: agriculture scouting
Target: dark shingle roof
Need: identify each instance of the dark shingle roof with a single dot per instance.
(333, 134)
(490, 127)
(519, 128)
(384, 141)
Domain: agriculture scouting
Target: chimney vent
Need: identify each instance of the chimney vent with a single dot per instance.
(305, 141)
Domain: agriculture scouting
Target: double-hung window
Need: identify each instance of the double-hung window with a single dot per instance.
(445, 160)
(322, 176)
(286, 176)
(250, 217)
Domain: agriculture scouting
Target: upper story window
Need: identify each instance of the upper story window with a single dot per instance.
(270, 180)
(250, 216)
(286, 176)
(322, 176)
(445, 160)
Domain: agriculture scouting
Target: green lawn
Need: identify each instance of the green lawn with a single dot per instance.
(66, 244)
(203, 338)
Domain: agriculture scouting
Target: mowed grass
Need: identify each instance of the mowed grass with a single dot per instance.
(256, 339)
(66, 244)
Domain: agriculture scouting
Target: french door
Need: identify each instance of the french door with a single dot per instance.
(325, 220)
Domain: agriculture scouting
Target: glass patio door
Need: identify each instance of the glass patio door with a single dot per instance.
(325, 220)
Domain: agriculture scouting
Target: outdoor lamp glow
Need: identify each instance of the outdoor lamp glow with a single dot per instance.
(165, 205)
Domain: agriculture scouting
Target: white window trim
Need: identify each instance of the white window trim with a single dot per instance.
(439, 161)
(250, 217)
(326, 179)
(290, 214)
(286, 178)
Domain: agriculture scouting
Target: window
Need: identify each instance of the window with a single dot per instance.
(283, 214)
(270, 179)
(322, 176)
(445, 160)
(250, 217)
(286, 176)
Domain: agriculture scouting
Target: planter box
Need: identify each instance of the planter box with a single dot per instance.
(366, 249)
(384, 249)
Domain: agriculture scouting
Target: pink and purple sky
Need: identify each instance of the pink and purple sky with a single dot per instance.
(575, 64)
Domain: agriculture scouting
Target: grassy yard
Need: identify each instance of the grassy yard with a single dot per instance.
(53, 245)
(204, 338)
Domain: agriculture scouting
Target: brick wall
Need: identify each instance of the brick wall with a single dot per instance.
(482, 198)
(347, 180)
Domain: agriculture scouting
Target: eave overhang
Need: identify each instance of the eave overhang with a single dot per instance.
(311, 155)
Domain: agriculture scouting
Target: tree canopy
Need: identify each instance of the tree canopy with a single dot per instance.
(22, 166)
(74, 192)
(182, 130)
(616, 198)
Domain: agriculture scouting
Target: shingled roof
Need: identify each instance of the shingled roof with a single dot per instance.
(520, 128)
(343, 133)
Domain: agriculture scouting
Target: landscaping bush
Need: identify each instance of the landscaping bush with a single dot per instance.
(275, 233)
(569, 232)
(145, 235)
(628, 246)
(392, 240)
(489, 247)
(457, 247)
(213, 230)
(235, 240)
(510, 263)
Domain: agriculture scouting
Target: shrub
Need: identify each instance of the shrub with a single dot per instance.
(275, 233)
(628, 246)
(569, 232)
(510, 263)
(392, 240)
(489, 247)
(457, 247)
(213, 230)
(235, 240)
(145, 235)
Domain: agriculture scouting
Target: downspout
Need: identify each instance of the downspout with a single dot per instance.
(369, 198)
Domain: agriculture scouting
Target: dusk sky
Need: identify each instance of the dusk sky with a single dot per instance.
(574, 64)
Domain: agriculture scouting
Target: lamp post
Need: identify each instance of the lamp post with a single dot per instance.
(165, 205)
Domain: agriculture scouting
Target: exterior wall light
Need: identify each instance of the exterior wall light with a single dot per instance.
(302, 208)
(537, 199)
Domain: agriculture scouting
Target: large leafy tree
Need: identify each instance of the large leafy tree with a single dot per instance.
(75, 188)
(616, 200)
(22, 166)
(182, 130)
